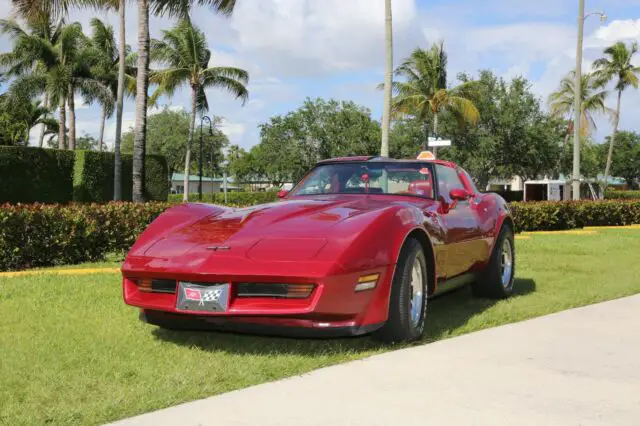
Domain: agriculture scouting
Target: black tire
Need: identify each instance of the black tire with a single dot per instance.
(399, 326)
(491, 282)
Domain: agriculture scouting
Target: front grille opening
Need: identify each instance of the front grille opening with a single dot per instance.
(157, 286)
(274, 290)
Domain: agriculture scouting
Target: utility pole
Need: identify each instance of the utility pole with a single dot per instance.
(577, 107)
(388, 80)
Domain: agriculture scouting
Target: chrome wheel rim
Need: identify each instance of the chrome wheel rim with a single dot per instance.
(506, 264)
(416, 287)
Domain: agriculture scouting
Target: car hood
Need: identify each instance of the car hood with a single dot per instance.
(305, 223)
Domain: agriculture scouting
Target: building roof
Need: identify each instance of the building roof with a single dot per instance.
(179, 177)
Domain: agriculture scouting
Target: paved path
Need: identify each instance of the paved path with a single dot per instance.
(578, 367)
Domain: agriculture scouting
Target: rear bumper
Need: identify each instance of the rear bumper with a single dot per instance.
(255, 325)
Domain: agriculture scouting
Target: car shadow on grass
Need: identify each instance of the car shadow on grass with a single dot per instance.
(445, 314)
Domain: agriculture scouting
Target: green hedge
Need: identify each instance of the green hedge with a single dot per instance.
(93, 177)
(622, 195)
(29, 175)
(235, 199)
(560, 215)
(45, 235)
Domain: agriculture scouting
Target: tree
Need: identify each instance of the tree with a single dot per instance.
(513, 136)
(87, 143)
(107, 68)
(626, 158)
(424, 95)
(167, 134)
(617, 66)
(184, 51)
(562, 102)
(58, 67)
(293, 143)
(388, 80)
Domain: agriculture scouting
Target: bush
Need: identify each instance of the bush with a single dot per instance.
(32, 175)
(560, 215)
(93, 177)
(45, 235)
(622, 195)
(235, 199)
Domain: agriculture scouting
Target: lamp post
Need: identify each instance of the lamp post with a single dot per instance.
(225, 163)
(200, 156)
(578, 99)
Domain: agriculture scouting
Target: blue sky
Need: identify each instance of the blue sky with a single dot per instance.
(335, 49)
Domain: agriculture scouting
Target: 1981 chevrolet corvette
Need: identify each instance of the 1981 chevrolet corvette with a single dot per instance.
(358, 246)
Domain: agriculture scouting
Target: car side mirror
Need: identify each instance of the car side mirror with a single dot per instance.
(282, 193)
(458, 194)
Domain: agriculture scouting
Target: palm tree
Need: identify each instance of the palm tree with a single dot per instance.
(388, 80)
(184, 51)
(616, 66)
(107, 68)
(423, 93)
(562, 102)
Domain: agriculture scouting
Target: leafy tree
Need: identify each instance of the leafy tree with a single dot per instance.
(593, 96)
(168, 132)
(291, 144)
(87, 143)
(513, 136)
(617, 66)
(183, 49)
(423, 93)
(626, 158)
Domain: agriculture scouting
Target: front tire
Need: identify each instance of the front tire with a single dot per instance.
(408, 301)
(496, 281)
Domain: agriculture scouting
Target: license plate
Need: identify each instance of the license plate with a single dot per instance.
(204, 298)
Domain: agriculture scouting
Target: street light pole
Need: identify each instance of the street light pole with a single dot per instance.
(200, 156)
(577, 107)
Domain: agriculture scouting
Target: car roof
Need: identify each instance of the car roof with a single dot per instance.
(372, 159)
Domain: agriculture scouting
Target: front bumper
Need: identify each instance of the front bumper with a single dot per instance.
(332, 309)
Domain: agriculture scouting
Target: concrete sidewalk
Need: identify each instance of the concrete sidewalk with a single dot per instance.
(578, 367)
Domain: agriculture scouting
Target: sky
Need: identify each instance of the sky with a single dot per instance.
(294, 49)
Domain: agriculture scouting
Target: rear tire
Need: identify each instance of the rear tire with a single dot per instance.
(408, 300)
(496, 280)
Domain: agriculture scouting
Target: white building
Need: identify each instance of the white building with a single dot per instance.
(209, 185)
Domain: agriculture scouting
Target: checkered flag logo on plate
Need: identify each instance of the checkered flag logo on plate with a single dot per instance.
(212, 295)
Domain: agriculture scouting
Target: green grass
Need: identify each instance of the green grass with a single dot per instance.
(72, 352)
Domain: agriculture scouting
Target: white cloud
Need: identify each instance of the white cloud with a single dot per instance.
(628, 29)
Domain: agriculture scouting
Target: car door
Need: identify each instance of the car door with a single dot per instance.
(460, 224)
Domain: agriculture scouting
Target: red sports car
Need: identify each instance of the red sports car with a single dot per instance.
(358, 246)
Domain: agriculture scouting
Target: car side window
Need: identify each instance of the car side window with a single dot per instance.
(448, 179)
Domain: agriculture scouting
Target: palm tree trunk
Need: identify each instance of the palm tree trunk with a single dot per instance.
(388, 80)
(435, 133)
(616, 121)
(43, 128)
(63, 124)
(72, 120)
(103, 120)
(117, 160)
(141, 101)
(187, 158)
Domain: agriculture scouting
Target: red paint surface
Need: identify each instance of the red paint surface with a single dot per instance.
(327, 240)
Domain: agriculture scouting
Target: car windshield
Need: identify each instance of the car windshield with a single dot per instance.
(368, 178)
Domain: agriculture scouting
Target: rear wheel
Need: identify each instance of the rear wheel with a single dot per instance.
(496, 280)
(408, 301)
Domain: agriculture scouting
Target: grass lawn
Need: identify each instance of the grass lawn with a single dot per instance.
(72, 352)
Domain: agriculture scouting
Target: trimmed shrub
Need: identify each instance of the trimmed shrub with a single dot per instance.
(32, 175)
(234, 199)
(45, 235)
(622, 195)
(93, 177)
(560, 215)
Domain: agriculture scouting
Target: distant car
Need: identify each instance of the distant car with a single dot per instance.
(358, 246)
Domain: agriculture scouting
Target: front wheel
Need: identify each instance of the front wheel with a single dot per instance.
(408, 301)
(496, 280)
